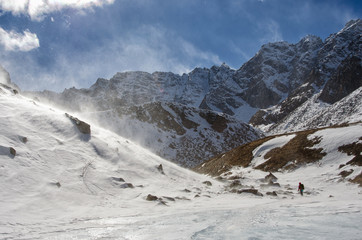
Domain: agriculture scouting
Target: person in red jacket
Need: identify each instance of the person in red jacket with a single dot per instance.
(301, 188)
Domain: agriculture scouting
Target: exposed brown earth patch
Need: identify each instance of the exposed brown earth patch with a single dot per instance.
(240, 156)
(346, 173)
(353, 149)
(358, 179)
(296, 152)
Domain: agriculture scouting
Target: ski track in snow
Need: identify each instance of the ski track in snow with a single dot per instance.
(91, 203)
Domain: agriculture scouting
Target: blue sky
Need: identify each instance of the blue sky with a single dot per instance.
(54, 44)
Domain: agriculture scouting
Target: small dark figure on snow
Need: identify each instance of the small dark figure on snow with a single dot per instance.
(301, 188)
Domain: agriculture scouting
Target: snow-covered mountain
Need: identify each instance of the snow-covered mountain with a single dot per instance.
(187, 119)
(336, 73)
(60, 182)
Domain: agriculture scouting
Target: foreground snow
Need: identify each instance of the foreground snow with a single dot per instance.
(62, 184)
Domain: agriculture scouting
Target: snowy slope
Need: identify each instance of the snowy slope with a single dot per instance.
(62, 184)
(59, 173)
(314, 113)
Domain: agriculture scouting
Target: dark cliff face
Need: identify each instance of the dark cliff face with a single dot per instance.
(347, 79)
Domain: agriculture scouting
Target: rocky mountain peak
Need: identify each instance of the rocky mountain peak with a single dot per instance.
(353, 25)
(277, 70)
(332, 70)
(309, 42)
(222, 68)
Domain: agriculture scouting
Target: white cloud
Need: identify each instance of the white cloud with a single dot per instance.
(13, 41)
(37, 9)
(16, 7)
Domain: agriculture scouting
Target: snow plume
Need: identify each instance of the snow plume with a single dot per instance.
(13, 41)
(37, 9)
(4, 76)
(271, 32)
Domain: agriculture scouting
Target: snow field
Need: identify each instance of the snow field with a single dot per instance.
(64, 185)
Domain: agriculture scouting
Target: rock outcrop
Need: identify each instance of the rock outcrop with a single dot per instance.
(83, 127)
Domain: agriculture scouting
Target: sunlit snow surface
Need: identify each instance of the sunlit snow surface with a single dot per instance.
(90, 203)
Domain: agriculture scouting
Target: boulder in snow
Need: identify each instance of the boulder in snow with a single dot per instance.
(127, 185)
(83, 127)
(151, 197)
(160, 169)
(270, 178)
(273, 193)
(250, 190)
(207, 183)
(12, 151)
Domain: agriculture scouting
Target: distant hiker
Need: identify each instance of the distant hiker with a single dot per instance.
(301, 188)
